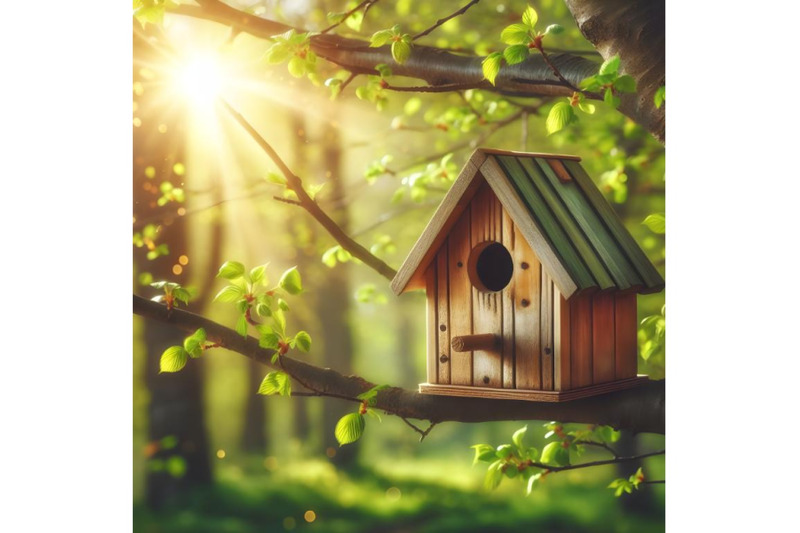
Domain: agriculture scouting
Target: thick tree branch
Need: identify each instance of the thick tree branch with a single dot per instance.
(294, 183)
(532, 77)
(640, 409)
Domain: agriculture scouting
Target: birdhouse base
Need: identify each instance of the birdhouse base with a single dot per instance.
(531, 395)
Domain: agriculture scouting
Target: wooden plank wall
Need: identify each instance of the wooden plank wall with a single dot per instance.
(599, 331)
(458, 247)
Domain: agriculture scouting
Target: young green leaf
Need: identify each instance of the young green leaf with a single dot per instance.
(401, 50)
(229, 293)
(241, 326)
(494, 474)
(610, 65)
(483, 452)
(660, 96)
(193, 344)
(380, 38)
(531, 480)
(269, 341)
(263, 310)
(586, 107)
(173, 359)
(516, 34)
(257, 275)
(280, 321)
(516, 53)
(303, 341)
(290, 281)
(491, 66)
(349, 428)
(530, 17)
(276, 382)
(610, 99)
(517, 437)
(554, 29)
(657, 223)
(181, 294)
(231, 270)
(625, 84)
(560, 115)
(555, 454)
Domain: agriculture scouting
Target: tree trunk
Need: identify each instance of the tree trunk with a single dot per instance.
(333, 308)
(178, 455)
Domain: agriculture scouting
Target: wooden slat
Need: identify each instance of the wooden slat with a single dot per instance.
(626, 346)
(567, 223)
(546, 332)
(430, 283)
(443, 305)
(509, 238)
(533, 395)
(495, 151)
(527, 293)
(607, 249)
(487, 366)
(561, 364)
(527, 227)
(538, 211)
(637, 257)
(410, 274)
(458, 246)
(580, 323)
(603, 364)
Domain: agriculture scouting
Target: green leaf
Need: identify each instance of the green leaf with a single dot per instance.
(504, 451)
(380, 38)
(229, 293)
(610, 65)
(412, 105)
(280, 321)
(275, 382)
(516, 34)
(274, 177)
(491, 66)
(586, 107)
(625, 84)
(610, 99)
(290, 281)
(554, 29)
(282, 305)
(371, 395)
(531, 481)
(349, 428)
(241, 326)
(483, 452)
(657, 223)
(231, 270)
(401, 51)
(257, 274)
(555, 454)
(384, 70)
(560, 115)
(494, 474)
(193, 344)
(263, 310)
(297, 67)
(277, 53)
(269, 341)
(660, 96)
(173, 359)
(303, 341)
(516, 53)
(530, 17)
(181, 294)
(517, 437)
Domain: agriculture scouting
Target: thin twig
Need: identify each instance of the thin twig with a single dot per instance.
(422, 433)
(557, 72)
(346, 82)
(615, 460)
(438, 88)
(659, 481)
(286, 200)
(599, 445)
(347, 15)
(442, 21)
(294, 183)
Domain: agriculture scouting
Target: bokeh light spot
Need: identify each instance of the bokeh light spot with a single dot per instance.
(184, 260)
(150, 172)
(310, 516)
(393, 494)
(177, 269)
(271, 463)
(179, 169)
(330, 452)
(220, 454)
(162, 128)
(137, 122)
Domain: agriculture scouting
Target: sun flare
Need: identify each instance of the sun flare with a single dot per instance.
(200, 79)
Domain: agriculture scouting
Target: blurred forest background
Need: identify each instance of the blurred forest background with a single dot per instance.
(212, 455)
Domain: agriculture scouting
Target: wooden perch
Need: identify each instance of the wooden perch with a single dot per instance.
(469, 343)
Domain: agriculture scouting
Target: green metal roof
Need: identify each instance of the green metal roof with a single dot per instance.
(581, 227)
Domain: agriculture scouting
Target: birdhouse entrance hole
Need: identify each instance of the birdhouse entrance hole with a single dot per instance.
(490, 267)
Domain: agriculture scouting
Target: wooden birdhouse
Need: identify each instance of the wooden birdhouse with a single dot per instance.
(531, 282)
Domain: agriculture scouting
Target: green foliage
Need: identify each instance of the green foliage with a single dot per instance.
(302, 341)
(370, 397)
(173, 359)
(349, 428)
(438, 174)
(656, 222)
(374, 90)
(173, 293)
(335, 254)
(401, 42)
(290, 281)
(491, 66)
(296, 48)
(170, 193)
(561, 114)
(369, 293)
(652, 336)
(151, 11)
(621, 485)
(610, 82)
(147, 238)
(194, 343)
(660, 96)
(276, 382)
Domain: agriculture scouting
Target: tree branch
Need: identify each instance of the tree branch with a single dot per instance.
(640, 409)
(615, 460)
(532, 77)
(442, 21)
(294, 183)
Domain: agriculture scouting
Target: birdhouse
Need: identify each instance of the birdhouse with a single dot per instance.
(531, 281)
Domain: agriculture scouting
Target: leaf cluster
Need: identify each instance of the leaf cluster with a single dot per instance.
(296, 48)
(351, 426)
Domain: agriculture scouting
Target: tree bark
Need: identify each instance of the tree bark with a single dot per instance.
(639, 410)
(634, 30)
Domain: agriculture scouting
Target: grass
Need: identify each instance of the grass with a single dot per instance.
(401, 496)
